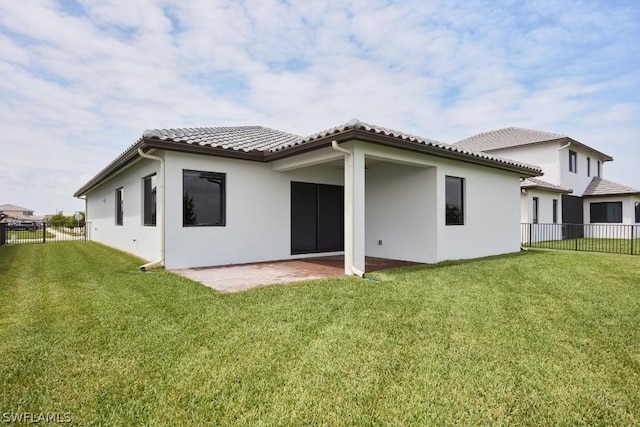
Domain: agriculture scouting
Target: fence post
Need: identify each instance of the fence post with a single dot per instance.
(530, 233)
(633, 234)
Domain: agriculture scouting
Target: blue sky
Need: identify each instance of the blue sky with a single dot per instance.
(82, 79)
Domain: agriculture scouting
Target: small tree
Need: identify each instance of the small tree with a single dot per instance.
(58, 220)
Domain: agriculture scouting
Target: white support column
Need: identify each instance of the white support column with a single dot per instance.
(358, 208)
(348, 214)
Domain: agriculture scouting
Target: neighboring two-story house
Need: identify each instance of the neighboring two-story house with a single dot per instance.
(13, 213)
(572, 189)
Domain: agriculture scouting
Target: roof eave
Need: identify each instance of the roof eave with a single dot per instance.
(561, 141)
(324, 141)
(124, 159)
(637, 193)
(132, 154)
(550, 190)
(397, 142)
(605, 157)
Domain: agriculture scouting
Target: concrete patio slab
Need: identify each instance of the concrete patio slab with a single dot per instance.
(236, 278)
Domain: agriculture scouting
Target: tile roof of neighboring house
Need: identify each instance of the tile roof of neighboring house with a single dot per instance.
(263, 144)
(10, 208)
(604, 187)
(515, 137)
(538, 184)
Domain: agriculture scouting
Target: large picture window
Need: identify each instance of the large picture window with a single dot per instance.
(606, 212)
(149, 200)
(203, 198)
(454, 200)
(119, 206)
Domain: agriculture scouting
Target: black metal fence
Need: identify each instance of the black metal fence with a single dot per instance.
(610, 238)
(20, 233)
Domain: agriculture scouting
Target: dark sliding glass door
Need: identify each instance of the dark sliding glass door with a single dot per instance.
(317, 218)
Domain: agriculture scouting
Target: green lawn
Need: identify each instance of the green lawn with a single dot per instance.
(537, 338)
(71, 231)
(618, 246)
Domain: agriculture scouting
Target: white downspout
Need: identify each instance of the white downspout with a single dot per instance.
(160, 211)
(349, 209)
(560, 162)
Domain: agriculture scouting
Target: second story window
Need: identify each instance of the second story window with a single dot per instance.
(598, 170)
(588, 166)
(573, 161)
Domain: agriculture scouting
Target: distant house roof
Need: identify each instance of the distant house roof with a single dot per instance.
(13, 212)
(14, 208)
(516, 137)
(538, 184)
(604, 187)
(263, 144)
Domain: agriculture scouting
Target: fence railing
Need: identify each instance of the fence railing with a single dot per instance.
(12, 234)
(610, 238)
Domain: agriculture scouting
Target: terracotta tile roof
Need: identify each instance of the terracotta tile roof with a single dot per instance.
(604, 187)
(355, 124)
(505, 138)
(264, 144)
(538, 184)
(14, 208)
(515, 137)
(239, 138)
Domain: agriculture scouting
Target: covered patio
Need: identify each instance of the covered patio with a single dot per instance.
(241, 277)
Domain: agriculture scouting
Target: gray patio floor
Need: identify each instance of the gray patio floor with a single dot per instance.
(236, 278)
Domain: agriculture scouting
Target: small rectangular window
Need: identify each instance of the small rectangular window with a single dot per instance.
(536, 203)
(573, 161)
(454, 200)
(638, 212)
(555, 211)
(149, 200)
(119, 206)
(203, 198)
(588, 166)
(606, 212)
(598, 171)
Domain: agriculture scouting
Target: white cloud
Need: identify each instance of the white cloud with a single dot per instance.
(80, 84)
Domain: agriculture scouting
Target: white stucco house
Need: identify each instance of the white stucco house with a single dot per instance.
(573, 189)
(230, 195)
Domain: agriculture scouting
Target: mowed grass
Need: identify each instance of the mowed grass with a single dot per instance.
(616, 246)
(537, 338)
